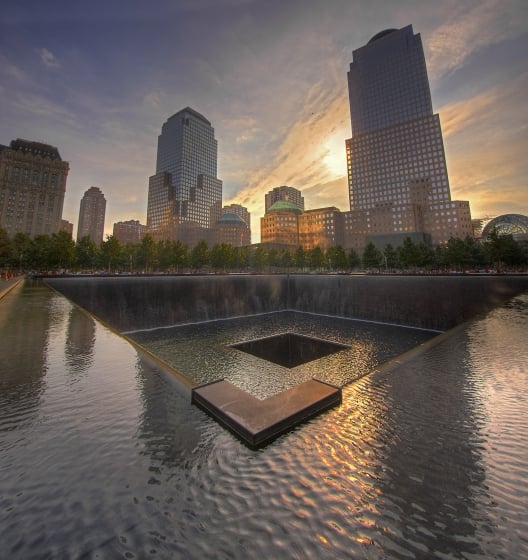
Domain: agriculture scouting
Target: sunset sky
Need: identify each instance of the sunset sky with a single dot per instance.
(98, 79)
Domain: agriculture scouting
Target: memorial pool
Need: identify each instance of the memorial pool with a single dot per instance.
(102, 456)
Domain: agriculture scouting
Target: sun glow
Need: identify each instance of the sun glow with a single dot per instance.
(335, 155)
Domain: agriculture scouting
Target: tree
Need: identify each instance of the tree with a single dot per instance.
(456, 253)
(390, 256)
(86, 253)
(353, 260)
(336, 258)
(286, 259)
(407, 254)
(200, 255)
(164, 251)
(5, 247)
(273, 257)
(503, 250)
(316, 258)
(221, 256)
(21, 248)
(372, 256)
(62, 250)
(300, 258)
(259, 258)
(241, 257)
(425, 255)
(180, 254)
(41, 253)
(147, 253)
(111, 252)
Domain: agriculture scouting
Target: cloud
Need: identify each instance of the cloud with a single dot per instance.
(301, 160)
(466, 31)
(48, 58)
(486, 139)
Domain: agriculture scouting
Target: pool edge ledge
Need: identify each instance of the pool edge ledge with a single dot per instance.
(257, 422)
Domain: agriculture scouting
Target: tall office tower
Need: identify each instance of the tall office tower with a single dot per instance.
(289, 194)
(185, 187)
(92, 215)
(397, 173)
(32, 187)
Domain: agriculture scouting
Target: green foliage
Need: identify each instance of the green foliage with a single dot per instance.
(147, 254)
(111, 252)
(21, 249)
(86, 253)
(372, 257)
(336, 258)
(354, 261)
(200, 255)
(5, 247)
(259, 259)
(390, 257)
(221, 256)
(408, 255)
(300, 258)
(58, 252)
(316, 258)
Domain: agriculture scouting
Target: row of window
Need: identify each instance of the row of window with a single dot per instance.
(26, 176)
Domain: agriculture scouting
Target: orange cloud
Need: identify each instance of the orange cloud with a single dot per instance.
(307, 159)
(486, 143)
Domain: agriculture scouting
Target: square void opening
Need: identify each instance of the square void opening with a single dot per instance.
(290, 349)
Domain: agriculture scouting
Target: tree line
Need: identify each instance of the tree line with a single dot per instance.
(58, 252)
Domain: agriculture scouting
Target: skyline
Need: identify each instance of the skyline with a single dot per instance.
(272, 79)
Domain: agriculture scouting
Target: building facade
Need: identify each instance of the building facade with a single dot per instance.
(32, 188)
(397, 173)
(129, 231)
(92, 213)
(280, 224)
(185, 188)
(238, 210)
(231, 229)
(289, 194)
(322, 227)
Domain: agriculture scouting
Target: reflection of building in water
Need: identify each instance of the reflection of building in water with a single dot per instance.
(23, 363)
(80, 340)
(433, 470)
(163, 411)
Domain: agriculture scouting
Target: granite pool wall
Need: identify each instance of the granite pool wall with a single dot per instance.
(430, 302)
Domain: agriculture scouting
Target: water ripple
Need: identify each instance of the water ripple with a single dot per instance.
(102, 458)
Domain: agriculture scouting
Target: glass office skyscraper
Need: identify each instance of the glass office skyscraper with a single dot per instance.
(398, 181)
(185, 188)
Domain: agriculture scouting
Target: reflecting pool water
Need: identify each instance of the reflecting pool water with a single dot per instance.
(204, 352)
(102, 457)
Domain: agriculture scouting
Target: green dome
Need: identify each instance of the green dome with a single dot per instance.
(230, 219)
(284, 206)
